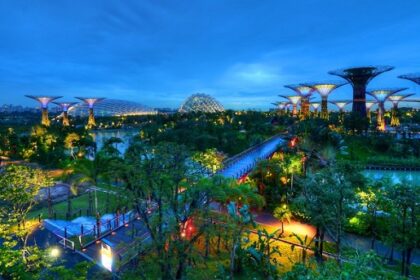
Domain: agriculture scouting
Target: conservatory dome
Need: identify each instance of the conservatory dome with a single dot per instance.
(201, 102)
(112, 107)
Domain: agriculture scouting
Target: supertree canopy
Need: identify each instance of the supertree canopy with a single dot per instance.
(359, 77)
(396, 99)
(315, 105)
(415, 77)
(324, 89)
(294, 99)
(44, 100)
(341, 105)
(201, 102)
(65, 107)
(90, 101)
(304, 92)
(281, 106)
(381, 95)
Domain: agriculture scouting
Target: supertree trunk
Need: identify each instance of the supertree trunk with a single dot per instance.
(91, 120)
(324, 109)
(45, 120)
(395, 121)
(65, 119)
(380, 118)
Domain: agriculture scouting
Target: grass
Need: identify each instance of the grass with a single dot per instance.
(80, 204)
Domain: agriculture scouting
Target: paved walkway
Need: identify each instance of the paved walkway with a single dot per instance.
(357, 242)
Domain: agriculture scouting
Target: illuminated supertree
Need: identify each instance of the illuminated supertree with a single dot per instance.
(412, 77)
(324, 89)
(381, 95)
(90, 102)
(315, 105)
(359, 77)
(396, 99)
(304, 92)
(341, 105)
(294, 100)
(281, 106)
(369, 104)
(44, 100)
(65, 106)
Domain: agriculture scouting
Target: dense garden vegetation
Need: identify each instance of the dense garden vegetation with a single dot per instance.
(315, 178)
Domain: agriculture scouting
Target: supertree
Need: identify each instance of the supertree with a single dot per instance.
(341, 105)
(90, 102)
(281, 106)
(315, 105)
(304, 92)
(359, 77)
(396, 99)
(369, 104)
(44, 101)
(65, 106)
(381, 95)
(294, 100)
(325, 89)
(415, 77)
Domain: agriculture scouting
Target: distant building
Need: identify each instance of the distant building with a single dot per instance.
(201, 102)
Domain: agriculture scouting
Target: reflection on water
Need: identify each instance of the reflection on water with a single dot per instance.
(100, 136)
(395, 175)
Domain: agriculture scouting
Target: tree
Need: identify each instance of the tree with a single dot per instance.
(282, 213)
(19, 186)
(402, 200)
(327, 200)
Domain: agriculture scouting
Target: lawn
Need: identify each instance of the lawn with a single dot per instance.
(80, 205)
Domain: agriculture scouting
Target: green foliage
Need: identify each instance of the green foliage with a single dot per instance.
(368, 266)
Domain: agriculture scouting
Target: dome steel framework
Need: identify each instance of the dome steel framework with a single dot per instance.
(201, 102)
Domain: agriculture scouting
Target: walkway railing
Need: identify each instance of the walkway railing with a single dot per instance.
(240, 164)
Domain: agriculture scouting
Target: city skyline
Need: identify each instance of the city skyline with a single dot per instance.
(158, 54)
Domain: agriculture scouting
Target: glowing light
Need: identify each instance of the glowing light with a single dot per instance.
(55, 252)
(315, 105)
(106, 256)
(395, 99)
(324, 89)
(369, 104)
(302, 90)
(294, 99)
(341, 104)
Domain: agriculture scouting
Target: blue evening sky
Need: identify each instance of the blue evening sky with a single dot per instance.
(160, 52)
